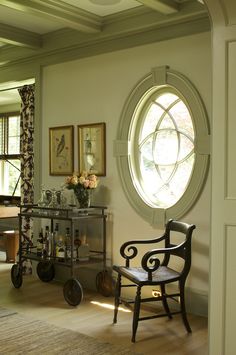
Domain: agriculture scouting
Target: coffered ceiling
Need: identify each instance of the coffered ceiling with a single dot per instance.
(49, 31)
(32, 28)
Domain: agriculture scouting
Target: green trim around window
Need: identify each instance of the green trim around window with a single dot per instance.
(162, 77)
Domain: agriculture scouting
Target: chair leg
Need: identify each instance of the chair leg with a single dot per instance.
(164, 301)
(183, 309)
(117, 298)
(136, 312)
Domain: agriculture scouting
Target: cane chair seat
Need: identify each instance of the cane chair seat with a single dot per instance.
(140, 277)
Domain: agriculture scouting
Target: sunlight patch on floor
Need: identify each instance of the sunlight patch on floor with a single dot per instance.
(109, 306)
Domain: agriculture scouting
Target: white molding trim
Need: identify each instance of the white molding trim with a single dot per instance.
(19, 37)
(166, 7)
(134, 28)
(68, 15)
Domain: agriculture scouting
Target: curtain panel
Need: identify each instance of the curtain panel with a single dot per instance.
(27, 160)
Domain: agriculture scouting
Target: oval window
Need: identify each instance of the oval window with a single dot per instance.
(163, 146)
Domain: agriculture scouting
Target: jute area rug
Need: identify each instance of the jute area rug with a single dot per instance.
(23, 335)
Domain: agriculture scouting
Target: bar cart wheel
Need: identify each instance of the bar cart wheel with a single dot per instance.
(73, 292)
(16, 276)
(105, 283)
(45, 271)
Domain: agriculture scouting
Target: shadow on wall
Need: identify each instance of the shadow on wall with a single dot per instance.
(199, 273)
(101, 196)
(202, 250)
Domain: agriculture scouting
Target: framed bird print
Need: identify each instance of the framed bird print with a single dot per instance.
(61, 150)
(92, 148)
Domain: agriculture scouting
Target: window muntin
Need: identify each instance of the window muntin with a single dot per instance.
(164, 140)
(10, 154)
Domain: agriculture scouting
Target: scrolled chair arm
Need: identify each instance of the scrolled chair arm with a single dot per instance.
(150, 263)
(129, 251)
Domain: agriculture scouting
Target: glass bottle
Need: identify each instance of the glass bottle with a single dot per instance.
(55, 239)
(60, 249)
(54, 202)
(40, 244)
(43, 198)
(77, 243)
(83, 251)
(68, 243)
(48, 241)
(44, 245)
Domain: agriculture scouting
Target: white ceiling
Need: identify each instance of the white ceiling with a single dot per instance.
(34, 28)
(9, 97)
(104, 7)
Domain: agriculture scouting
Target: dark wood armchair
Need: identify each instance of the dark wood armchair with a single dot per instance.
(154, 272)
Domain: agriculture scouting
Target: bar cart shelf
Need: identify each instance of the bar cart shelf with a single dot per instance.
(72, 289)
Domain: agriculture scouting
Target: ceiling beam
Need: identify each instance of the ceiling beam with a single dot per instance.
(19, 37)
(68, 15)
(166, 7)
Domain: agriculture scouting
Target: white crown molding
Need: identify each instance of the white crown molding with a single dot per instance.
(68, 15)
(164, 6)
(135, 28)
(82, 50)
(19, 37)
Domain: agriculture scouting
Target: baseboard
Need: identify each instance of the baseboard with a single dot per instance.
(197, 302)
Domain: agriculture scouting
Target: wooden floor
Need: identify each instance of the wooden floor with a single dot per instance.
(45, 301)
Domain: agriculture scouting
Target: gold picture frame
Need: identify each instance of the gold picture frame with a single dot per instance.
(92, 148)
(61, 150)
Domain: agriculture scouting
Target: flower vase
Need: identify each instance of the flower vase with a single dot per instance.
(83, 198)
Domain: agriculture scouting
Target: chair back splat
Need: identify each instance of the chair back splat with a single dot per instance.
(155, 270)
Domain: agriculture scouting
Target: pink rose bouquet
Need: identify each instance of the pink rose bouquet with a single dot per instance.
(81, 184)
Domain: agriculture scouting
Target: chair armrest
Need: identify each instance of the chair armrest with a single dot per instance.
(150, 263)
(128, 250)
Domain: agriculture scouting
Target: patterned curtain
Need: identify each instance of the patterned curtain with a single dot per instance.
(27, 161)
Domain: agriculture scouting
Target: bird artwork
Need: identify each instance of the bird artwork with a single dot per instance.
(88, 144)
(60, 146)
(91, 160)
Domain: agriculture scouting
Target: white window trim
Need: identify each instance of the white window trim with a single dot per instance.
(157, 77)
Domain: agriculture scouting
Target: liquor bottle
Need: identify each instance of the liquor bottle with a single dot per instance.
(40, 244)
(55, 239)
(68, 243)
(77, 243)
(60, 249)
(44, 245)
(48, 241)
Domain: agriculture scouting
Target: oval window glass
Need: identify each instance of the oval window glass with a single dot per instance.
(164, 140)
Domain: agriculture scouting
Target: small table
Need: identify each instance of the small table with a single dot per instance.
(9, 239)
(9, 212)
